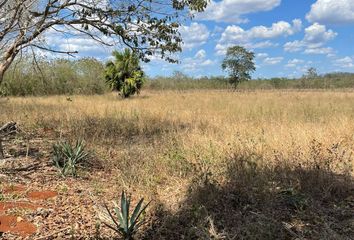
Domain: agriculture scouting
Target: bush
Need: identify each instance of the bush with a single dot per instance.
(54, 77)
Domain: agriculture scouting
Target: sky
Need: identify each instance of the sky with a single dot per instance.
(287, 37)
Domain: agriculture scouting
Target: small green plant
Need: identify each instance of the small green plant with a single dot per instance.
(121, 222)
(67, 157)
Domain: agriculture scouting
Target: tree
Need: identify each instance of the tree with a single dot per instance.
(311, 73)
(146, 26)
(239, 64)
(124, 74)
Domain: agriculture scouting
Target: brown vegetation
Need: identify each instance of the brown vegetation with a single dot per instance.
(217, 164)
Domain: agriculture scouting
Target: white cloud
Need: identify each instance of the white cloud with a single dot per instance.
(261, 55)
(316, 36)
(201, 54)
(272, 60)
(233, 10)
(278, 29)
(332, 12)
(195, 64)
(257, 36)
(294, 46)
(324, 50)
(346, 62)
(207, 62)
(194, 35)
(294, 63)
(221, 48)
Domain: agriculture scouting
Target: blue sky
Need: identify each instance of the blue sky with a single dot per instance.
(287, 36)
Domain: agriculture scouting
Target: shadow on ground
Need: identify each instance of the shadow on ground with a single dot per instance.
(262, 202)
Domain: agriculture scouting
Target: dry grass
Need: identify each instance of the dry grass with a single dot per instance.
(219, 164)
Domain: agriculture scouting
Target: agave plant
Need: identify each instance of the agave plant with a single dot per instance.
(121, 222)
(67, 157)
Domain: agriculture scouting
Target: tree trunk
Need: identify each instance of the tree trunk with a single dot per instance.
(6, 61)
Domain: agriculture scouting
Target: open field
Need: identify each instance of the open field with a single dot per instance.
(217, 164)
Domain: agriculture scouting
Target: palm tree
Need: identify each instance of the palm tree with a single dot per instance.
(124, 74)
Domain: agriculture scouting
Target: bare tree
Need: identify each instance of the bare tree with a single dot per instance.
(146, 26)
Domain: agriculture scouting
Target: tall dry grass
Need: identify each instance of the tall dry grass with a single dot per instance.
(179, 146)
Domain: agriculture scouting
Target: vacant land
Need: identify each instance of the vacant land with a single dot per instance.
(216, 164)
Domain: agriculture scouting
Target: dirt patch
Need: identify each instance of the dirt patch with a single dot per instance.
(20, 205)
(41, 195)
(14, 189)
(16, 225)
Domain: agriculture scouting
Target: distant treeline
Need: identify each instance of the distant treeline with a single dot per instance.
(183, 82)
(54, 77)
(86, 76)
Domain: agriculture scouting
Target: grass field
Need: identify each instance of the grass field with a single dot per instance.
(217, 164)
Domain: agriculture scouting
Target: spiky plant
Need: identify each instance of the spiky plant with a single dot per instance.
(67, 157)
(121, 221)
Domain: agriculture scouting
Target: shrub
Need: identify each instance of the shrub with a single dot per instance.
(67, 157)
(122, 223)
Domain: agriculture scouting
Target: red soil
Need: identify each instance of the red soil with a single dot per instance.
(14, 189)
(22, 205)
(16, 225)
(41, 195)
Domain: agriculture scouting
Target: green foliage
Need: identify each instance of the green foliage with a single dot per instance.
(239, 64)
(125, 74)
(122, 223)
(294, 200)
(54, 77)
(185, 83)
(67, 157)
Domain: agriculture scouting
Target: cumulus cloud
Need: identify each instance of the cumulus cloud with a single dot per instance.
(294, 63)
(261, 55)
(256, 37)
(196, 63)
(272, 60)
(346, 62)
(332, 12)
(221, 48)
(319, 50)
(316, 36)
(201, 54)
(278, 29)
(71, 41)
(233, 10)
(194, 35)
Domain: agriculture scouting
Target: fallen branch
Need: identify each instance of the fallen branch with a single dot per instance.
(6, 130)
(53, 234)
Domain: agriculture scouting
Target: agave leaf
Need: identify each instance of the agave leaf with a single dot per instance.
(120, 217)
(125, 210)
(136, 225)
(136, 212)
(111, 216)
(113, 228)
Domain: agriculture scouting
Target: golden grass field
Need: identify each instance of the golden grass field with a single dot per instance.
(218, 164)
